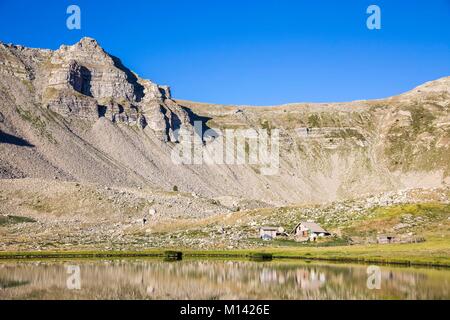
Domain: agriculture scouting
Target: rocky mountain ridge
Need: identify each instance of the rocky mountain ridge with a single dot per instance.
(83, 80)
(78, 114)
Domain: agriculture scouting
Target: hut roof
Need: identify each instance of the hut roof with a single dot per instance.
(314, 227)
(269, 228)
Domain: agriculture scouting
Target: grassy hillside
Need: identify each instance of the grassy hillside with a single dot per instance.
(89, 220)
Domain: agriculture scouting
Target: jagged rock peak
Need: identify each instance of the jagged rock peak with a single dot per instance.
(85, 44)
(90, 70)
(87, 50)
(88, 42)
(83, 80)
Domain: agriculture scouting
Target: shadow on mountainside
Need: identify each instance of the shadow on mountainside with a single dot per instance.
(86, 83)
(131, 78)
(10, 139)
(206, 130)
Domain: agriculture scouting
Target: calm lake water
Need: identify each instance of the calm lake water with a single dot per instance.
(215, 279)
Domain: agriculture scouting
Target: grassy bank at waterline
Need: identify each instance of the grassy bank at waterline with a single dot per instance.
(435, 252)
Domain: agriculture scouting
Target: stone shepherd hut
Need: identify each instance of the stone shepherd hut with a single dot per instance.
(386, 238)
(309, 230)
(269, 233)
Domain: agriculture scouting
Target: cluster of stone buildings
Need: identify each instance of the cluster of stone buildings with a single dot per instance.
(303, 231)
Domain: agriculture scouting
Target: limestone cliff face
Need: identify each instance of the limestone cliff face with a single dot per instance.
(88, 69)
(83, 80)
(77, 113)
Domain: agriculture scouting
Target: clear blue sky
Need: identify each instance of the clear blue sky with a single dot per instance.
(253, 51)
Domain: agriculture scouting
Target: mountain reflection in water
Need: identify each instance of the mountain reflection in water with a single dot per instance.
(216, 279)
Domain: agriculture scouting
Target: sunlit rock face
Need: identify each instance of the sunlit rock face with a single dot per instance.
(84, 70)
(90, 70)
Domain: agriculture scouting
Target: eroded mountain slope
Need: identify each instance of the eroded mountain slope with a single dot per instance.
(78, 114)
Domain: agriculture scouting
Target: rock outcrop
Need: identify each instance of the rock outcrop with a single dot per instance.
(66, 103)
(88, 69)
(84, 80)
